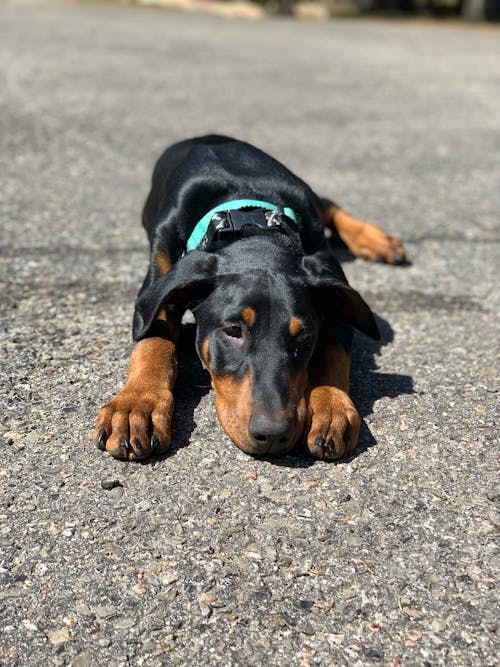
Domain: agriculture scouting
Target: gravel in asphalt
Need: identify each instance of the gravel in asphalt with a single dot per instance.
(208, 556)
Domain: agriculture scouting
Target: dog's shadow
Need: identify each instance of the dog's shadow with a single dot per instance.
(368, 385)
(192, 384)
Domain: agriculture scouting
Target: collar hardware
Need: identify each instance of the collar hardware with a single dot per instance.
(227, 226)
(227, 221)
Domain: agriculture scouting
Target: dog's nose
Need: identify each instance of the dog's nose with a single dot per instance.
(270, 433)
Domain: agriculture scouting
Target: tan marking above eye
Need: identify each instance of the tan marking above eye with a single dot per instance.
(295, 326)
(249, 316)
(162, 261)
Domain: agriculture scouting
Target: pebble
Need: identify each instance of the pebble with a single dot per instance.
(12, 437)
(253, 552)
(58, 636)
(466, 637)
(206, 610)
(168, 595)
(307, 628)
(106, 612)
(143, 506)
(108, 484)
(123, 623)
(350, 593)
(270, 553)
(285, 561)
(83, 660)
(277, 623)
(29, 625)
(116, 493)
(139, 589)
(494, 517)
(437, 626)
(491, 624)
(458, 642)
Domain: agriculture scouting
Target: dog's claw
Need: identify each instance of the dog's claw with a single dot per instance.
(330, 447)
(140, 451)
(100, 441)
(155, 443)
(124, 442)
(329, 444)
(347, 443)
(121, 452)
(319, 442)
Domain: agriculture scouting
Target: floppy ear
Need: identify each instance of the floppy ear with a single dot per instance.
(333, 291)
(189, 281)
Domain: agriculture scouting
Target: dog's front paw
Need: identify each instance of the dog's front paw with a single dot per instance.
(136, 423)
(335, 423)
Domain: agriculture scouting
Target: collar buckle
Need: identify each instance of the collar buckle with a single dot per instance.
(227, 226)
(226, 221)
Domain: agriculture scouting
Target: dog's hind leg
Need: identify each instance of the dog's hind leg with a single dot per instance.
(362, 238)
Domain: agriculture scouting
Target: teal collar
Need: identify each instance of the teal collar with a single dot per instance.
(237, 204)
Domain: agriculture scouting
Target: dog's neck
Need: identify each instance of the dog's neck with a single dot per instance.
(239, 219)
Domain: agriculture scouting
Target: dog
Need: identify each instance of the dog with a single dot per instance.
(246, 245)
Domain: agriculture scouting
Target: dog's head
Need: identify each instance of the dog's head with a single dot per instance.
(257, 329)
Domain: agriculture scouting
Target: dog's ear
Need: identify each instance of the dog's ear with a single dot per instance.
(190, 280)
(333, 293)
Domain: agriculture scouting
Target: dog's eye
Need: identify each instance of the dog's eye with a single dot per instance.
(302, 344)
(233, 330)
(303, 337)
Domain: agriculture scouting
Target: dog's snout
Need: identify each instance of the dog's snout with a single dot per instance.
(270, 433)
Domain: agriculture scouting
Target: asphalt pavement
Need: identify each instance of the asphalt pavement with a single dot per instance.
(209, 556)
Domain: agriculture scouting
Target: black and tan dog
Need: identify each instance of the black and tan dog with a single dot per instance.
(243, 243)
